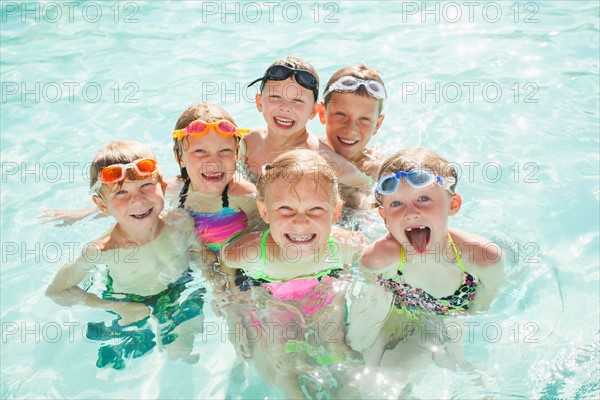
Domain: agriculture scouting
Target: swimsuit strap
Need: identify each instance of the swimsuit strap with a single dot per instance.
(186, 187)
(334, 254)
(184, 192)
(224, 197)
(263, 250)
(457, 255)
(402, 260)
(459, 262)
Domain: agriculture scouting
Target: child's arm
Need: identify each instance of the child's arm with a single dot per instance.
(351, 245)
(348, 173)
(64, 291)
(68, 217)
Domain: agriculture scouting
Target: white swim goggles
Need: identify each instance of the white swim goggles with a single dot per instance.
(348, 83)
(417, 178)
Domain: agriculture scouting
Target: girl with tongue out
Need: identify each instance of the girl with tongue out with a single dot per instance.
(428, 269)
(423, 269)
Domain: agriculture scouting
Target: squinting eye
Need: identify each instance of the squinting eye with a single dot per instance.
(395, 203)
(424, 198)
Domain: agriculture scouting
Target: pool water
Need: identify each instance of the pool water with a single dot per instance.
(509, 91)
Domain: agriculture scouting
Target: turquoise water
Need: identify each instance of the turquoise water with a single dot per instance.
(512, 97)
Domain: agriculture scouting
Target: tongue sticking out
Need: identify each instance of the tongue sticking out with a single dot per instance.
(418, 238)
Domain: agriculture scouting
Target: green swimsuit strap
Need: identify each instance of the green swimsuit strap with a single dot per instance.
(459, 262)
(263, 254)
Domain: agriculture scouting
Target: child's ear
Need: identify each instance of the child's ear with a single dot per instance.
(379, 122)
(381, 212)
(314, 110)
(163, 185)
(337, 211)
(455, 204)
(258, 99)
(321, 110)
(262, 210)
(99, 201)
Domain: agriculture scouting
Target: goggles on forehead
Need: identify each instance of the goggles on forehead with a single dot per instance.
(348, 83)
(281, 72)
(116, 172)
(199, 128)
(417, 178)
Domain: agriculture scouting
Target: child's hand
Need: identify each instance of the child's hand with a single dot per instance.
(64, 217)
(131, 312)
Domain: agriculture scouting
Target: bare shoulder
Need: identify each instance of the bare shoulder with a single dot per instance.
(323, 146)
(236, 253)
(241, 187)
(481, 251)
(256, 136)
(381, 254)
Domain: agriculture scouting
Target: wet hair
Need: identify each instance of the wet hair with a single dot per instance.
(294, 165)
(207, 112)
(295, 63)
(360, 71)
(411, 158)
(121, 152)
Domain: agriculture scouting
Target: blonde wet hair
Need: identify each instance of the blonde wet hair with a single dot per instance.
(293, 166)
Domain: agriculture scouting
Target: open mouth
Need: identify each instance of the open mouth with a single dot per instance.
(142, 215)
(284, 122)
(347, 141)
(296, 238)
(213, 178)
(418, 237)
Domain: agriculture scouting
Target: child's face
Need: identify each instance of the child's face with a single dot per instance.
(351, 120)
(299, 214)
(286, 106)
(210, 161)
(418, 218)
(136, 204)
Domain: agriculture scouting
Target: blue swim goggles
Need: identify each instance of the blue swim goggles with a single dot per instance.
(417, 178)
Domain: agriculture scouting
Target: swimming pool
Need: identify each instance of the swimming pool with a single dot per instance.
(508, 90)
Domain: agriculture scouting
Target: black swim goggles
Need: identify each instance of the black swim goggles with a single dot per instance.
(281, 72)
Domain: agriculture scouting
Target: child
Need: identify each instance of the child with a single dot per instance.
(351, 111)
(140, 266)
(298, 265)
(288, 96)
(205, 144)
(427, 270)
